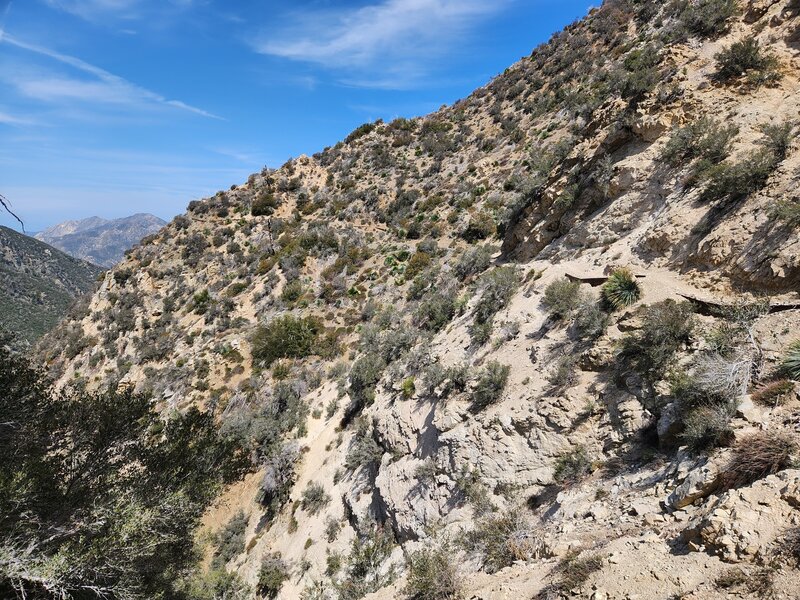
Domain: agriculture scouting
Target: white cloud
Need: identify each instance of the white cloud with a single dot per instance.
(9, 119)
(104, 88)
(395, 39)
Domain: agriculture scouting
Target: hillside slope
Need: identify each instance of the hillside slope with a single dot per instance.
(100, 241)
(38, 284)
(522, 343)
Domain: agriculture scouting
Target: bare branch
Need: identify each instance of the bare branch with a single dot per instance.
(6, 203)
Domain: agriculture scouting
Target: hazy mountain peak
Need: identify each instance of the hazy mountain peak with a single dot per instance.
(101, 241)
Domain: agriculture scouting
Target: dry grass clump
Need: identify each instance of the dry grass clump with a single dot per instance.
(759, 455)
(759, 582)
(773, 393)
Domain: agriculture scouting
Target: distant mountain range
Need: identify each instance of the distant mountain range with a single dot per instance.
(38, 284)
(100, 241)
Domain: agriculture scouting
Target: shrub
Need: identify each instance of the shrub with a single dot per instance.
(706, 18)
(432, 575)
(408, 388)
(314, 498)
(787, 211)
(641, 72)
(286, 337)
(572, 466)
(271, 576)
(365, 572)
(735, 182)
(473, 261)
(789, 546)
(746, 57)
(480, 226)
(665, 326)
(758, 455)
(621, 289)
(561, 297)
(575, 570)
(364, 377)
(706, 139)
(590, 319)
(496, 287)
(502, 539)
(264, 205)
(230, 541)
(758, 583)
(564, 374)
(773, 393)
(777, 138)
(364, 451)
(707, 426)
(791, 361)
(436, 311)
(490, 385)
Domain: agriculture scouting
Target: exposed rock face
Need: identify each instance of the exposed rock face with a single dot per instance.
(100, 241)
(743, 524)
(414, 421)
(38, 284)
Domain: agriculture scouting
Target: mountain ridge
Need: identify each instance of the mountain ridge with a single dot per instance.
(39, 284)
(100, 241)
(459, 347)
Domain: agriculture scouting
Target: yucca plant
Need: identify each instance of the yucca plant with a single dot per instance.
(621, 289)
(791, 362)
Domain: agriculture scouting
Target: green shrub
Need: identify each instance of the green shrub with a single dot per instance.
(272, 575)
(621, 289)
(707, 426)
(590, 319)
(706, 138)
(746, 57)
(201, 302)
(496, 288)
(481, 225)
(408, 388)
(759, 455)
(734, 182)
(706, 18)
(787, 211)
(315, 498)
(473, 261)
(264, 205)
(641, 72)
(436, 311)
(791, 361)
(230, 541)
(563, 376)
(364, 452)
(572, 466)
(292, 291)
(777, 138)
(490, 385)
(665, 327)
(286, 337)
(561, 298)
(365, 573)
(364, 377)
(432, 575)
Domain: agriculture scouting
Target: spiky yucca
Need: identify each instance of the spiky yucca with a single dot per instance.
(791, 362)
(621, 289)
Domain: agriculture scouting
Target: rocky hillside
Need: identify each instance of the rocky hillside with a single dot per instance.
(541, 342)
(38, 284)
(100, 241)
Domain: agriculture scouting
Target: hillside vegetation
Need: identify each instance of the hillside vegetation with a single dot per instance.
(38, 284)
(540, 343)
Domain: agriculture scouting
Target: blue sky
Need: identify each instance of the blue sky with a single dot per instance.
(111, 107)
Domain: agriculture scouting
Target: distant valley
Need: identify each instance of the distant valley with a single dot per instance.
(100, 241)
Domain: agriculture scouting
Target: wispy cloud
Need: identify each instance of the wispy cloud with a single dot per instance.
(9, 119)
(388, 44)
(105, 87)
